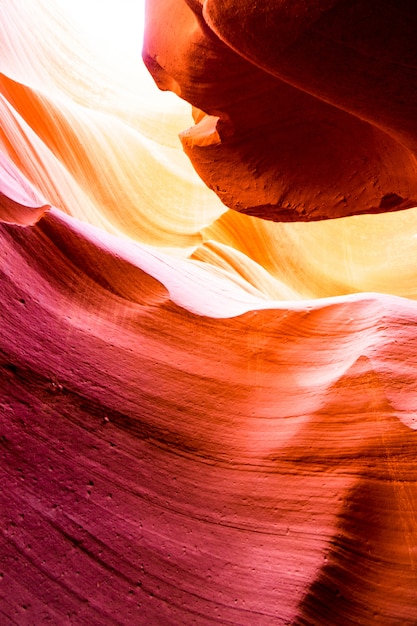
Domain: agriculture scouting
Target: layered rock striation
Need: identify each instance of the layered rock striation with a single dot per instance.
(206, 418)
(306, 110)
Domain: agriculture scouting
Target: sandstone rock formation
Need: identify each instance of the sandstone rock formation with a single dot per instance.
(307, 109)
(206, 418)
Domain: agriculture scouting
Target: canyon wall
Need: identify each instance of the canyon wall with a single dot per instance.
(206, 417)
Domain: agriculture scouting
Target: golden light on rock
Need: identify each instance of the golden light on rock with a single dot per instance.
(208, 390)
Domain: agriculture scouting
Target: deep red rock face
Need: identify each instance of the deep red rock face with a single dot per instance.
(206, 418)
(311, 105)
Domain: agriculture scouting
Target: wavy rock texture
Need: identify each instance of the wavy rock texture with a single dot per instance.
(312, 114)
(206, 418)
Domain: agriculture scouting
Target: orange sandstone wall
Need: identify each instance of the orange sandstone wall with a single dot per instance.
(206, 418)
(307, 109)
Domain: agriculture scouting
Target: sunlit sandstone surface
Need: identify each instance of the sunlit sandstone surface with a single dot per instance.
(307, 108)
(207, 417)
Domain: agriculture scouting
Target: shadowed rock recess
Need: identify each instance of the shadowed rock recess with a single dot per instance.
(206, 417)
(308, 108)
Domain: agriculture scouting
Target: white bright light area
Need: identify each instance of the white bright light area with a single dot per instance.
(113, 26)
(113, 31)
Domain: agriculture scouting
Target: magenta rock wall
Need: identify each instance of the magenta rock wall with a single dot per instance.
(206, 417)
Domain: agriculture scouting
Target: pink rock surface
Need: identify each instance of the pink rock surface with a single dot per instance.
(206, 418)
(172, 468)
